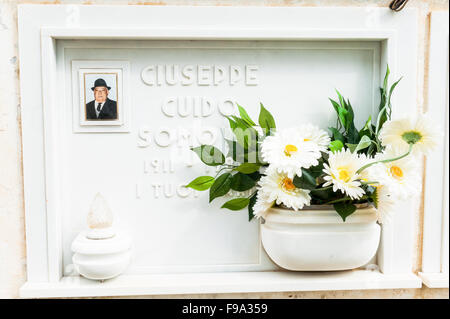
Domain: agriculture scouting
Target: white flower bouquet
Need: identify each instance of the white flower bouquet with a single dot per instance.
(302, 166)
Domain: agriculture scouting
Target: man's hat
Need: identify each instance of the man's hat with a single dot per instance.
(100, 82)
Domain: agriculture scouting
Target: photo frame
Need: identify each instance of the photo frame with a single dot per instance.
(100, 96)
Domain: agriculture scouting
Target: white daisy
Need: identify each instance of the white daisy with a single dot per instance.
(399, 134)
(262, 205)
(401, 177)
(315, 135)
(384, 204)
(279, 187)
(341, 172)
(288, 151)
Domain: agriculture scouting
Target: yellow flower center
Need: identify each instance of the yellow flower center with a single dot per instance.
(306, 140)
(289, 149)
(396, 171)
(344, 174)
(288, 184)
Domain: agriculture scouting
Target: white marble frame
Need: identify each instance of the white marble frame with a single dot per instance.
(41, 26)
(435, 272)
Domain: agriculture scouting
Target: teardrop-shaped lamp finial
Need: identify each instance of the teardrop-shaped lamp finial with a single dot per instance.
(100, 219)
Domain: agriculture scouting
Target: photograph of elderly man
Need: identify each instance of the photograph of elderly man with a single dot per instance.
(101, 108)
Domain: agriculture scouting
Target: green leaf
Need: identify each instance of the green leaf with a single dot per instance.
(266, 120)
(382, 116)
(209, 155)
(336, 145)
(351, 147)
(335, 105)
(385, 108)
(352, 132)
(248, 168)
(351, 114)
(341, 99)
(239, 154)
(368, 124)
(393, 86)
(367, 129)
(241, 123)
(242, 182)
(372, 149)
(389, 106)
(245, 116)
(386, 77)
(342, 113)
(363, 143)
(256, 176)
(316, 171)
(383, 99)
(254, 157)
(241, 137)
(201, 183)
(346, 117)
(345, 113)
(336, 134)
(246, 135)
(235, 151)
(236, 204)
(324, 194)
(233, 124)
(353, 135)
(344, 209)
(251, 204)
(306, 181)
(220, 187)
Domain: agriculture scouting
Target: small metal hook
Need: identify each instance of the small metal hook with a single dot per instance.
(398, 5)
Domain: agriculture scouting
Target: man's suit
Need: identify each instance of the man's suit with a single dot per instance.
(108, 111)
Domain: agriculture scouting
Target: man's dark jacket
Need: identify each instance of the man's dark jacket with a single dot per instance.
(108, 111)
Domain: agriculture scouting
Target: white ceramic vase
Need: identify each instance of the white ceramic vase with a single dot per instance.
(101, 259)
(318, 239)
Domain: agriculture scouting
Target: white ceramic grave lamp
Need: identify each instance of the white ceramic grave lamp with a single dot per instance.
(101, 252)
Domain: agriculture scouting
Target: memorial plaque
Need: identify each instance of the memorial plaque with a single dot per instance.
(113, 107)
(170, 96)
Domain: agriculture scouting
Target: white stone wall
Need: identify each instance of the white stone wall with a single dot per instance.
(12, 230)
(12, 236)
